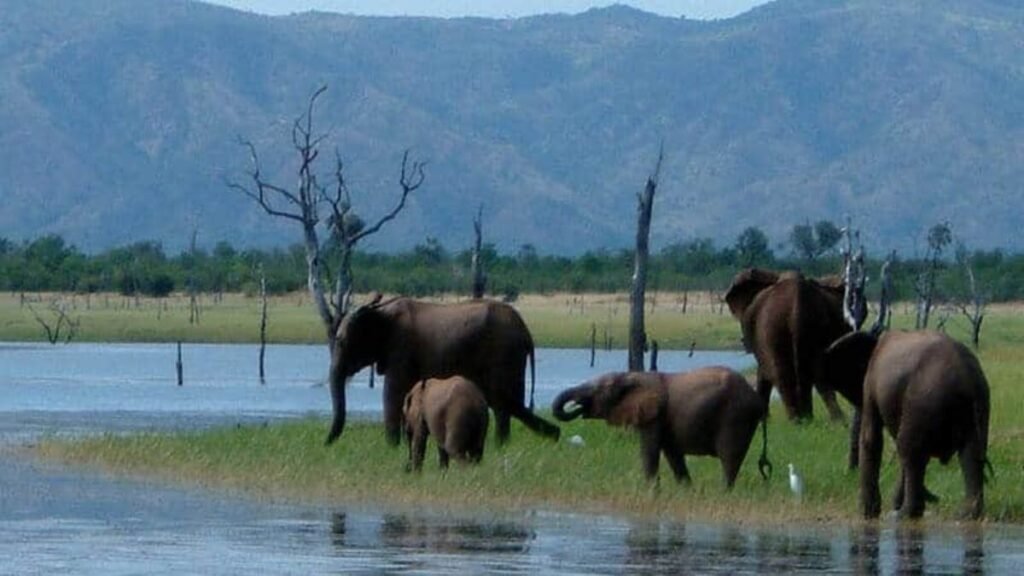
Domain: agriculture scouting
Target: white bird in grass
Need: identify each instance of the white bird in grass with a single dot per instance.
(796, 483)
(577, 440)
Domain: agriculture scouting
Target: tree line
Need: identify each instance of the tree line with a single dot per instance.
(49, 263)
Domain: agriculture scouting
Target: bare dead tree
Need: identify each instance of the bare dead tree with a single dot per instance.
(645, 205)
(885, 296)
(939, 236)
(303, 204)
(973, 304)
(60, 326)
(855, 307)
(193, 299)
(477, 265)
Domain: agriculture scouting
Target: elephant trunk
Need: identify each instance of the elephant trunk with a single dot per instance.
(338, 381)
(578, 396)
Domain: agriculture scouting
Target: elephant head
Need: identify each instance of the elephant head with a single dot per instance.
(632, 399)
(360, 339)
(846, 364)
(745, 287)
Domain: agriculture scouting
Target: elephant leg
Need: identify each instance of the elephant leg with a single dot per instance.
(677, 462)
(913, 466)
(828, 395)
(854, 456)
(650, 451)
(800, 378)
(870, 460)
(785, 381)
(393, 398)
(442, 457)
(418, 447)
(972, 465)
(901, 491)
(732, 446)
(502, 425)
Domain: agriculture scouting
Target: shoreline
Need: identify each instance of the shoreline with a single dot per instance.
(296, 469)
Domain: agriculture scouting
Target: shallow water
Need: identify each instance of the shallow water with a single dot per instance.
(54, 520)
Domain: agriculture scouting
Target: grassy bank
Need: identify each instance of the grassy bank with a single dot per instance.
(289, 462)
(560, 320)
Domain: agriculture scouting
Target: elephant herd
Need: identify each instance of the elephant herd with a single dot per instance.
(445, 366)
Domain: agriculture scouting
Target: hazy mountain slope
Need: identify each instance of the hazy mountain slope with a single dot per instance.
(119, 118)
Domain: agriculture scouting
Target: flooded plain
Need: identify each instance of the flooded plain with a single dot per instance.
(54, 519)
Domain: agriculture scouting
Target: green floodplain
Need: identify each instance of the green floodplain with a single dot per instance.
(289, 462)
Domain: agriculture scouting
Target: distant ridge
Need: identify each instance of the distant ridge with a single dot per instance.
(119, 119)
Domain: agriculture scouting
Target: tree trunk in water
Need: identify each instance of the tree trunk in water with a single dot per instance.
(263, 324)
(178, 366)
(637, 331)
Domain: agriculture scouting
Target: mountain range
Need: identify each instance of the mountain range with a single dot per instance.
(120, 121)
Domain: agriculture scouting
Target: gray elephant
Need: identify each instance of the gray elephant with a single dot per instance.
(787, 322)
(707, 412)
(408, 341)
(930, 393)
(454, 412)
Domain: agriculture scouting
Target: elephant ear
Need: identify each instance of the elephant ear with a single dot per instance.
(745, 287)
(640, 404)
(846, 364)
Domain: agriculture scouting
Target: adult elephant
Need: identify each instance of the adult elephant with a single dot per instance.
(787, 321)
(930, 393)
(409, 341)
(707, 412)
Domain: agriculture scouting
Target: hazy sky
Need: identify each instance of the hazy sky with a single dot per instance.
(492, 8)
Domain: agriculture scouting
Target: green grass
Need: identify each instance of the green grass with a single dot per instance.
(555, 321)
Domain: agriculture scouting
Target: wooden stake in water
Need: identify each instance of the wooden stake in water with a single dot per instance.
(263, 322)
(654, 355)
(177, 365)
(593, 342)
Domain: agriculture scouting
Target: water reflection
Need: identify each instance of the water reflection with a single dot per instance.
(974, 549)
(864, 550)
(652, 547)
(918, 550)
(454, 535)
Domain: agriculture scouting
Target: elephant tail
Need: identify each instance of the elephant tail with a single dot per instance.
(533, 378)
(764, 465)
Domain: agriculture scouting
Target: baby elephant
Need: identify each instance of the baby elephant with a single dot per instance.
(454, 411)
(706, 412)
(930, 393)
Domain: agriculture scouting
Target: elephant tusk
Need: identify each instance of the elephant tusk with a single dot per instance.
(572, 406)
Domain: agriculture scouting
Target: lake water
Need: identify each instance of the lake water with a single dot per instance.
(55, 520)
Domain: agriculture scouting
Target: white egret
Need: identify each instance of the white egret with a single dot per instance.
(796, 483)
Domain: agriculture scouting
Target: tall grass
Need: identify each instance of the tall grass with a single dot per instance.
(559, 321)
